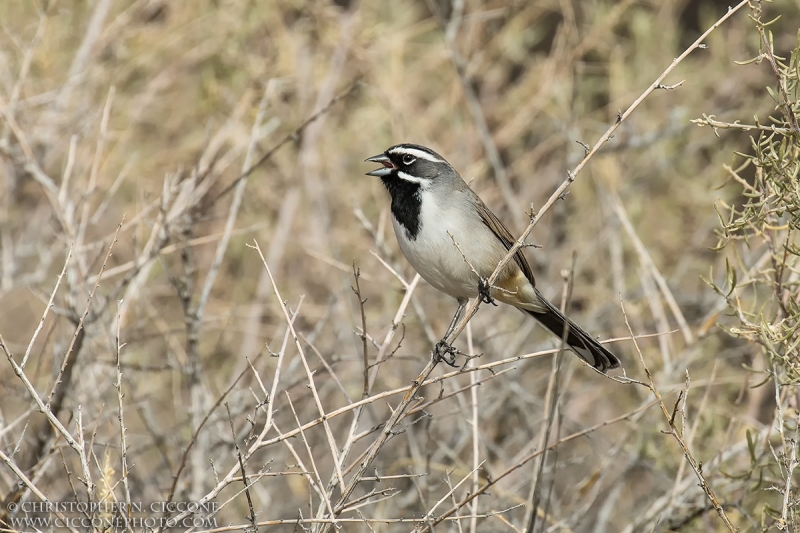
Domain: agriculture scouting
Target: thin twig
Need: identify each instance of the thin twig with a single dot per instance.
(79, 327)
(678, 437)
(46, 309)
(429, 515)
(233, 212)
(473, 381)
(647, 261)
(709, 120)
(123, 442)
(252, 516)
(95, 169)
(365, 352)
(303, 438)
(290, 137)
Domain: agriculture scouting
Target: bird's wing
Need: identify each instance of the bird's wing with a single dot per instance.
(502, 233)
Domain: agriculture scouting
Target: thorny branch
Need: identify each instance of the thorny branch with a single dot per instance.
(405, 402)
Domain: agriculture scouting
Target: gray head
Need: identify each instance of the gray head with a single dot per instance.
(411, 163)
(409, 172)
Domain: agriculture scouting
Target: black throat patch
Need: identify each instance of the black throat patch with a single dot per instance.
(406, 203)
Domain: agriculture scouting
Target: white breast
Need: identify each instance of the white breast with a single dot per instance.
(437, 259)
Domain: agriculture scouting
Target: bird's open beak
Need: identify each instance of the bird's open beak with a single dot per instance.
(387, 168)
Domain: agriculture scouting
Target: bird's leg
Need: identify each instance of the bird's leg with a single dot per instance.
(462, 304)
(443, 351)
(484, 291)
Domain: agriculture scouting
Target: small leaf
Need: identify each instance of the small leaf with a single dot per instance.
(773, 95)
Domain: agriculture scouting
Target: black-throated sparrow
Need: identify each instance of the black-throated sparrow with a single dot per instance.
(432, 207)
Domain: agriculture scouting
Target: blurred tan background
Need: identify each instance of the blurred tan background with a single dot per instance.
(151, 110)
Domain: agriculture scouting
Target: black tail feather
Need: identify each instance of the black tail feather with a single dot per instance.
(583, 344)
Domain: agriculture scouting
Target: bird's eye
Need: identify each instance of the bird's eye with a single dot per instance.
(408, 159)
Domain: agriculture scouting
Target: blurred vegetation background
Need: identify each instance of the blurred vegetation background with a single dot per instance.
(151, 110)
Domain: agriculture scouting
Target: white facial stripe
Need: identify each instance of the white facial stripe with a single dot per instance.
(416, 153)
(408, 177)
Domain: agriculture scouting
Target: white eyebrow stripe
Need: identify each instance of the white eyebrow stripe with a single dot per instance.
(408, 177)
(416, 153)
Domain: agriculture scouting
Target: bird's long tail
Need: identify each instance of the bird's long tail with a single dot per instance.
(583, 344)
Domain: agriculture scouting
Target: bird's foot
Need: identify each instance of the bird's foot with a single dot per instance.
(445, 352)
(484, 292)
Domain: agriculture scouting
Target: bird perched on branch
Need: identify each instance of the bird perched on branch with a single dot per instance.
(455, 243)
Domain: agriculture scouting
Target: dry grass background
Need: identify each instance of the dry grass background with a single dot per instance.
(150, 110)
